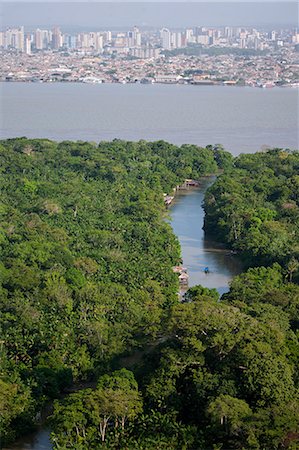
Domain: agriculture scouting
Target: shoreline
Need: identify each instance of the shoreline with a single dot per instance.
(209, 84)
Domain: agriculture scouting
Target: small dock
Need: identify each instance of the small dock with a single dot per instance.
(188, 183)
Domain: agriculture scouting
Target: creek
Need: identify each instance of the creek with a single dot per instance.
(198, 250)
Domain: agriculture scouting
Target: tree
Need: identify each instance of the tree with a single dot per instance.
(121, 390)
(228, 415)
(292, 267)
(196, 292)
(114, 402)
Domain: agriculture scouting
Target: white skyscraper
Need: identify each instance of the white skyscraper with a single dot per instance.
(134, 38)
(166, 38)
(38, 39)
(14, 38)
(189, 35)
(98, 42)
(179, 40)
(176, 40)
(108, 36)
(28, 44)
(137, 37)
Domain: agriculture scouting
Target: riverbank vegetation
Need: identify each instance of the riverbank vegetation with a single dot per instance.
(86, 260)
(88, 294)
(254, 208)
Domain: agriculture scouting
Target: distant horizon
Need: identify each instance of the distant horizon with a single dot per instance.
(148, 15)
(82, 28)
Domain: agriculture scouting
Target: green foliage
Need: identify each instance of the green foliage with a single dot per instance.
(254, 207)
(91, 417)
(228, 415)
(196, 293)
(86, 278)
(225, 368)
(86, 256)
(16, 408)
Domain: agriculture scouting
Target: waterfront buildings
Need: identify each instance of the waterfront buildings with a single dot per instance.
(228, 55)
(166, 39)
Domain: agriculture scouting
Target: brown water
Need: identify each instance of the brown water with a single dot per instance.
(242, 119)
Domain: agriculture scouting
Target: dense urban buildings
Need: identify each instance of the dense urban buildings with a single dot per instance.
(200, 55)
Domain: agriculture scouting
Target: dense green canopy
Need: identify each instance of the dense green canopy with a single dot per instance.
(254, 207)
(89, 300)
(86, 258)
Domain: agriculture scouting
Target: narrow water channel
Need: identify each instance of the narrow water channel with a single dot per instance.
(198, 251)
(39, 440)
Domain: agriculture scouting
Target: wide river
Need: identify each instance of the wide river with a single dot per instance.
(242, 119)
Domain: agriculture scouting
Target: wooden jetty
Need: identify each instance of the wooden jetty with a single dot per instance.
(188, 183)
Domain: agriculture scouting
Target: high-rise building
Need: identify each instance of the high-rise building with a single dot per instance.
(257, 43)
(136, 37)
(72, 42)
(84, 40)
(28, 42)
(20, 39)
(107, 36)
(176, 40)
(38, 39)
(7, 39)
(14, 38)
(228, 32)
(242, 42)
(173, 40)
(56, 38)
(91, 39)
(243, 39)
(166, 38)
(120, 40)
(98, 42)
(179, 40)
(295, 38)
(42, 39)
(130, 39)
(203, 39)
(189, 35)
(65, 41)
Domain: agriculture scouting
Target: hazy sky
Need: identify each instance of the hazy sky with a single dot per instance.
(72, 15)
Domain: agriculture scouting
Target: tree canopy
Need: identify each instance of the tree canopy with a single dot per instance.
(90, 313)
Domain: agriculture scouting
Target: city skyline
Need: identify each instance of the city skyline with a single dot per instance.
(201, 55)
(87, 15)
(121, 42)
